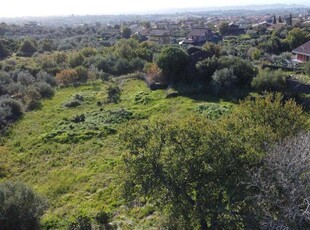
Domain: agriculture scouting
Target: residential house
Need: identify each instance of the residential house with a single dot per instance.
(234, 29)
(276, 27)
(160, 36)
(303, 52)
(198, 35)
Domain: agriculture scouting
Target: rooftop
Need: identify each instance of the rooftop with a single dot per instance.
(303, 49)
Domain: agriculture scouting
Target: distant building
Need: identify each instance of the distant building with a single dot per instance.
(160, 36)
(234, 29)
(198, 35)
(276, 27)
(303, 52)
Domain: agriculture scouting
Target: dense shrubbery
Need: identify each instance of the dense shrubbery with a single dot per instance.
(268, 80)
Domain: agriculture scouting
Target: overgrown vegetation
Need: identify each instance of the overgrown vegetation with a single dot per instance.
(122, 133)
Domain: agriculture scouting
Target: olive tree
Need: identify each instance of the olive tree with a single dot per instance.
(20, 207)
(197, 169)
(172, 61)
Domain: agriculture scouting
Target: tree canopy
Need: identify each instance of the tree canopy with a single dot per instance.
(172, 61)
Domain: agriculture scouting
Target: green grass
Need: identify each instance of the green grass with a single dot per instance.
(77, 165)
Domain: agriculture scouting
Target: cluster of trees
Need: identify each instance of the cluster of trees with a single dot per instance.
(21, 91)
(227, 174)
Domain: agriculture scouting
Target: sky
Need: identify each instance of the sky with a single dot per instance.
(19, 8)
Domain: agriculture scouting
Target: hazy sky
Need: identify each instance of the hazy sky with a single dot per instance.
(13, 8)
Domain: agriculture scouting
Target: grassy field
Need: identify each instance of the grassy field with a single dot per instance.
(73, 156)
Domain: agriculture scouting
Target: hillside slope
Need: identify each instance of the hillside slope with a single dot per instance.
(73, 156)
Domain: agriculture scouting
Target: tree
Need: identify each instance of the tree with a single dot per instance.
(290, 20)
(223, 80)
(27, 48)
(274, 20)
(20, 207)
(196, 169)
(126, 32)
(281, 185)
(66, 77)
(3, 50)
(15, 107)
(76, 59)
(242, 69)
(224, 28)
(212, 49)
(297, 37)
(207, 67)
(114, 94)
(172, 61)
(268, 80)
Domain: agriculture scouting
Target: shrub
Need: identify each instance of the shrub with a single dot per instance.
(27, 48)
(102, 217)
(114, 94)
(5, 78)
(268, 80)
(45, 90)
(223, 81)
(45, 77)
(81, 223)
(5, 112)
(16, 89)
(25, 78)
(72, 104)
(66, 77)
(16, 108)
(76, 59)
(243, 70)
(32, 98)
(20, 207)
(207, 67)
(81, 73)
(173, 62)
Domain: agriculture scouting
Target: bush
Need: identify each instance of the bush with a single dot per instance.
(173, 62)
(16, 108)
(45, 90)
(243, 70)
(20, 207)
(27, 48)
(5, 78)
(67, 77)
(114, 94)
(25, 78)
(81, 223)
(76, 59)
(207, 67)
(223, 81)
(268, 80)
(45, 77)
(32, 99)
(102, 217)
(5, 112)
(72, 104)
(81, 73)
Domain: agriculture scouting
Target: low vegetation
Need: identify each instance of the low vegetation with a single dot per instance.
(120, 133)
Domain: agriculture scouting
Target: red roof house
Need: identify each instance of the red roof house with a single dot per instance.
(303, 52)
